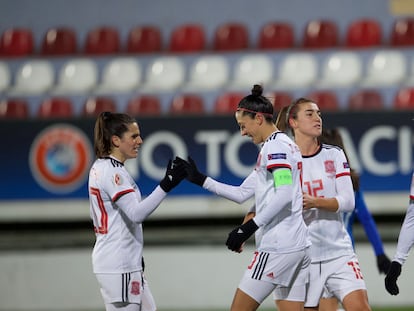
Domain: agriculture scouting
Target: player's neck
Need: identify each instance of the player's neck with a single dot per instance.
(308, 146)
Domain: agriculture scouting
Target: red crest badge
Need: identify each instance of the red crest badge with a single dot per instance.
(135, 288)
(330, 167)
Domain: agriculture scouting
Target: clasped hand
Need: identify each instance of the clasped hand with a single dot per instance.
(174, 174)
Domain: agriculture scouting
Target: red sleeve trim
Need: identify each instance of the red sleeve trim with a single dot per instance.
(343, 174)
(120, 194)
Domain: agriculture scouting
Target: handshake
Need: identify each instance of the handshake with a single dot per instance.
(179, 169)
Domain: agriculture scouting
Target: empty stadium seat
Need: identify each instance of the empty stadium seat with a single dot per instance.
(326, 100)
(208, 72)
(252, 69)
(279, 99)
(144, 39)
(185, 104)
(59, 41)
(5, 76)
(276, 35)
(320, 34)
(144, 105)
(121, 74)
(340, 69)
(16, 42)
(363, 33)
(164, 73)
(231, 37)
(102, 40)
(402, 33)
(187, 38)
(55, 107)
(94, 106)
(296, 70)
(385, 68)
(227, 103)
(363, 100)
(33, 77)
(404, 99)
(14, 109)
(77, 76)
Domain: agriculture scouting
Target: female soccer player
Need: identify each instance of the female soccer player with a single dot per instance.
(280, 263)
(117, 211)
(328, 192)
(361, 212)
(405, 243)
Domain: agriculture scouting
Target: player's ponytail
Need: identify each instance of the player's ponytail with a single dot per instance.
(108, 124)
(102, 145)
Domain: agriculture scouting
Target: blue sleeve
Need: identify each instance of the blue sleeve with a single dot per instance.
(349, 219)
(367, 221)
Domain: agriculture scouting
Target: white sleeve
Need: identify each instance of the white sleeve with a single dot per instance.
(343, 183)
(138, 211)
(346, 195)
(238, 194)
(406, 236)
(281, 198)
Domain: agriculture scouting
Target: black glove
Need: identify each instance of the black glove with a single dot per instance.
(239, 235)
(174, 174)
(383, 263)
(193, 174)
(391, 278)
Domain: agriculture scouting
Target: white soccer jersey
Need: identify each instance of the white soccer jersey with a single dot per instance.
(327, 174)
(117, 213)
(285, 231)
(406, 236)
(278, 209)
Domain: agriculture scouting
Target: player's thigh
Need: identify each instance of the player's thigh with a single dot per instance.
(243, 302)
(356, 301)
(285, 305)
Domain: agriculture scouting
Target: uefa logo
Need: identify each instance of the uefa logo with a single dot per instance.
(60, 157)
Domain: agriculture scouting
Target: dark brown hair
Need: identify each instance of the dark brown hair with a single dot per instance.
(290, 111)
(333, 137)
(108, 124)
(256, 103)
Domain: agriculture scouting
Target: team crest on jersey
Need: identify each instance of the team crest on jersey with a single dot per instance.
(330, 167)
(346, 165)
(275, 156)
(135, 289)
(60, 157)
(118, 179)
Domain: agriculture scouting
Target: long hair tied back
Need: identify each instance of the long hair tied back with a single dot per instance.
(256, 103)
(108, 124)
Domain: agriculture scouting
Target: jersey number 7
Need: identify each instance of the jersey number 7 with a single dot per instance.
(99, 215)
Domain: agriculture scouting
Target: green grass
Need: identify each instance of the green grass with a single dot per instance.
(267, 309)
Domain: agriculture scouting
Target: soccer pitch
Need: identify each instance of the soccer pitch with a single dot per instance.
(409, 308)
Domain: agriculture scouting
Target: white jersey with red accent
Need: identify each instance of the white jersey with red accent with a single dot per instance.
(278, 208)
(285, 231)
(117, 213)
(406, 236)
(327, 174)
